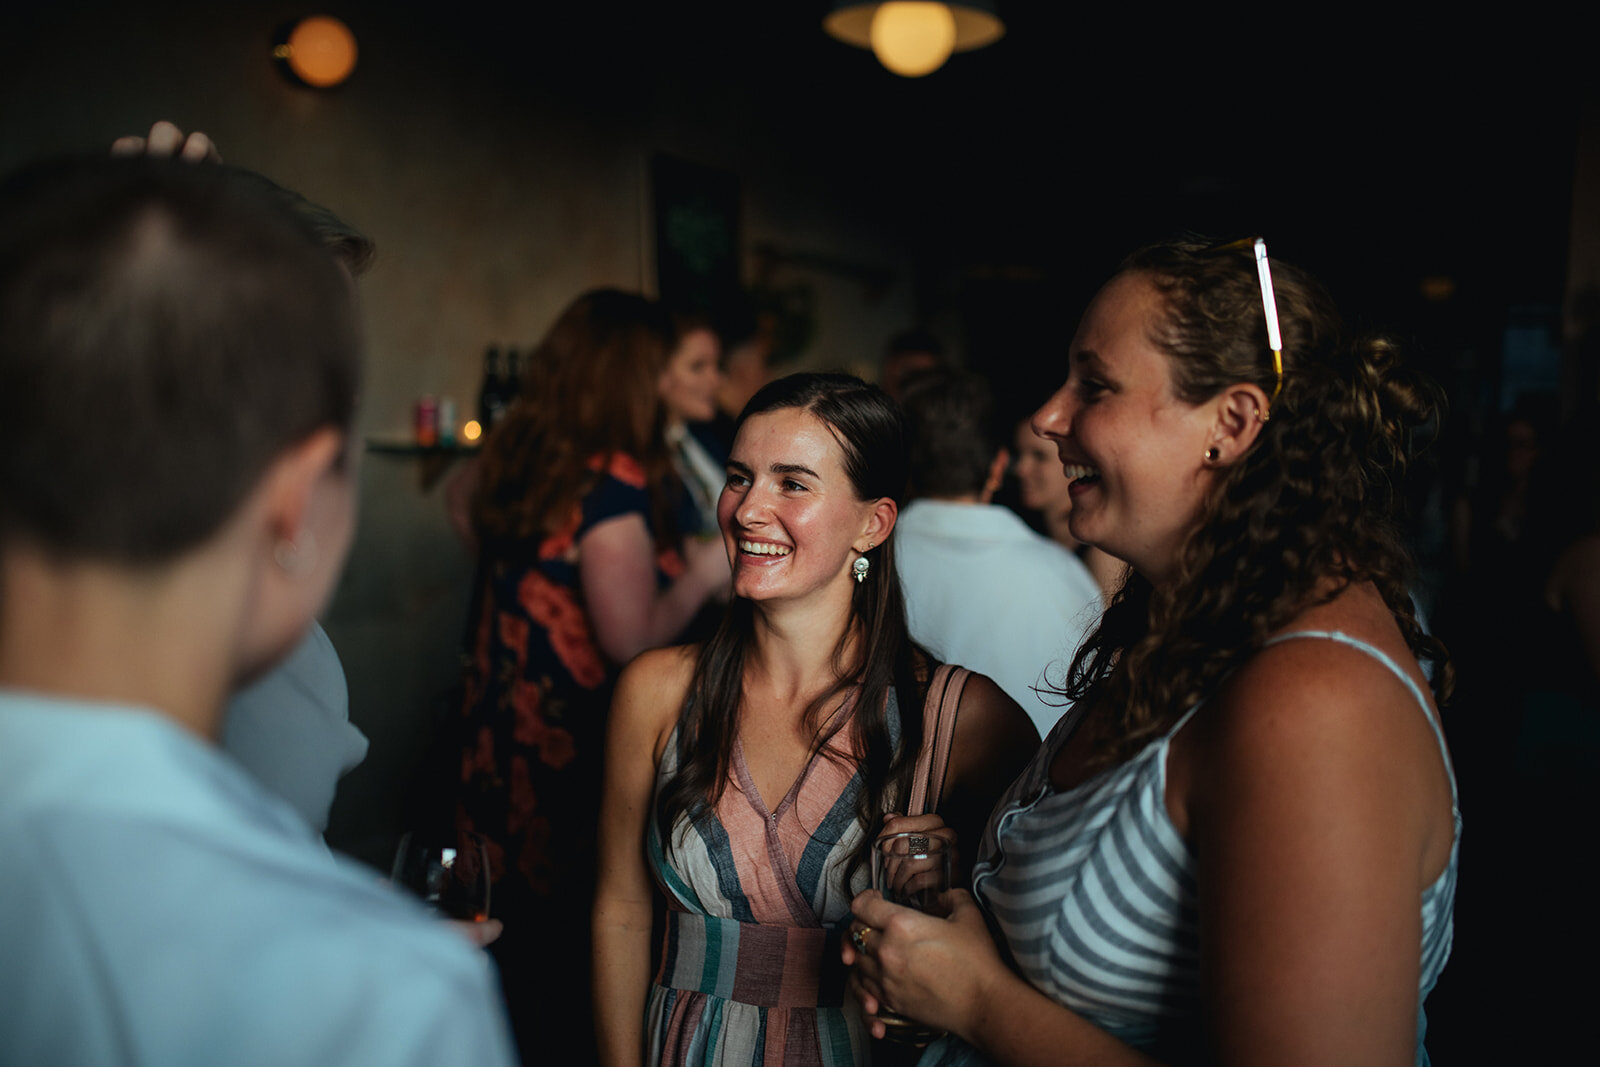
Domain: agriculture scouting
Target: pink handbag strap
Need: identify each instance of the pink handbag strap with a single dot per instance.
(938, 727)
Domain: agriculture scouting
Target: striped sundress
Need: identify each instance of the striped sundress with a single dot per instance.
(750, 970)
(1094, 891)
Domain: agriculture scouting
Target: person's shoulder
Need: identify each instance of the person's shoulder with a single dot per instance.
(1337, 685)
(994, 740)
(650, 693)
(1328, 726)
(987, 709)
(660, 669)
(982, 692)
(619, 467)
(620, 490)
(1354, 632)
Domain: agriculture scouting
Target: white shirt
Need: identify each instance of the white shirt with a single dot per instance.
(700, 473)
(162, 908)
(985, 591)
(291, 728)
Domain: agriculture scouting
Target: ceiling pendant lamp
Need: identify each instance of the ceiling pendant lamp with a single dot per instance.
(915, 37)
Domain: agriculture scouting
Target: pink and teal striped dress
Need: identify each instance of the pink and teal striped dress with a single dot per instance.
(757, 899)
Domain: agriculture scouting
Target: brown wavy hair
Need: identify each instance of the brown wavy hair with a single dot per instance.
(590, 392)
(1311, 508)
(871, 433)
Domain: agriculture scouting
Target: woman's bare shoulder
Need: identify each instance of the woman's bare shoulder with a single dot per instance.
(987, 709)
(1307, 721)
(1338, 659)
(650, 693)
(994, 738)
(658, 667)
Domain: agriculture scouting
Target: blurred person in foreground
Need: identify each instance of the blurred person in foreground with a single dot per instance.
(580, 569)
(1241, 845)
(291, 727)
(981, 588)
(179, 362)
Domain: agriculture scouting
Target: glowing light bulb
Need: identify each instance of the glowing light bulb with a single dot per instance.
(321, 51)
(471, 431)
(912, 37)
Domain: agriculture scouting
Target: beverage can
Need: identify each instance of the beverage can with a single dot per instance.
(427, 423)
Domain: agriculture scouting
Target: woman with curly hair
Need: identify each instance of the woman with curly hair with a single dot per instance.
(1241, 845)
(579, 570)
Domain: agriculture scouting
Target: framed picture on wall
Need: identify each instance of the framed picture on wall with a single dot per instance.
(696, 233)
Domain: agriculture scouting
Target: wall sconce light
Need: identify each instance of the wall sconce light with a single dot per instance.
(915, 37)
(319, 51)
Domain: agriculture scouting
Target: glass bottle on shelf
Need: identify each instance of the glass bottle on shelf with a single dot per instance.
(491, 397)
(511, 385)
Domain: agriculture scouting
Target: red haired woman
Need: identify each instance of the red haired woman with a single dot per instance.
(579, 571)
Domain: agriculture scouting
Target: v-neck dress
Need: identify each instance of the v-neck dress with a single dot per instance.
(757, 901)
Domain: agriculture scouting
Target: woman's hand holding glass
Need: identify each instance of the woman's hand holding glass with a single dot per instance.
(931, 825)
(911, 898)
(937, 970)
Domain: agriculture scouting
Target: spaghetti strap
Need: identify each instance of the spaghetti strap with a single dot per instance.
(1394, 668)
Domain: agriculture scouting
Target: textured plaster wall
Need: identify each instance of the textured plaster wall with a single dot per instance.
(492, 204)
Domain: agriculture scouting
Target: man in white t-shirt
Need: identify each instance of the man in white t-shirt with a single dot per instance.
(982, 589)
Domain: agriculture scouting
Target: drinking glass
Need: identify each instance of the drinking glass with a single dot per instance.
(450, 874)
(913, 870)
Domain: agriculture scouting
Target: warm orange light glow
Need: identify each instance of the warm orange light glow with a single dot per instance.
(914, 37)
(321, 51)
(471, 431)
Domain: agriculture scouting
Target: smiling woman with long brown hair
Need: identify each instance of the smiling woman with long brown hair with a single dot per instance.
(749, 775)
(1241, 845)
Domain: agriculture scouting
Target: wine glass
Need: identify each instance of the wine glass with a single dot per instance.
(913, 870)
(449, 874)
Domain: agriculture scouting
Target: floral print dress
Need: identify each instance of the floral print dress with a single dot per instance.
(533, 726)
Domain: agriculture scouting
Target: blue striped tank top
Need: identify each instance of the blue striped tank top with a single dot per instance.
(1094, 892)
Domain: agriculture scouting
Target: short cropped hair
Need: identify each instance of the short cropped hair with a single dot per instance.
(166, 331)
(954, 433)
(347, 244)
